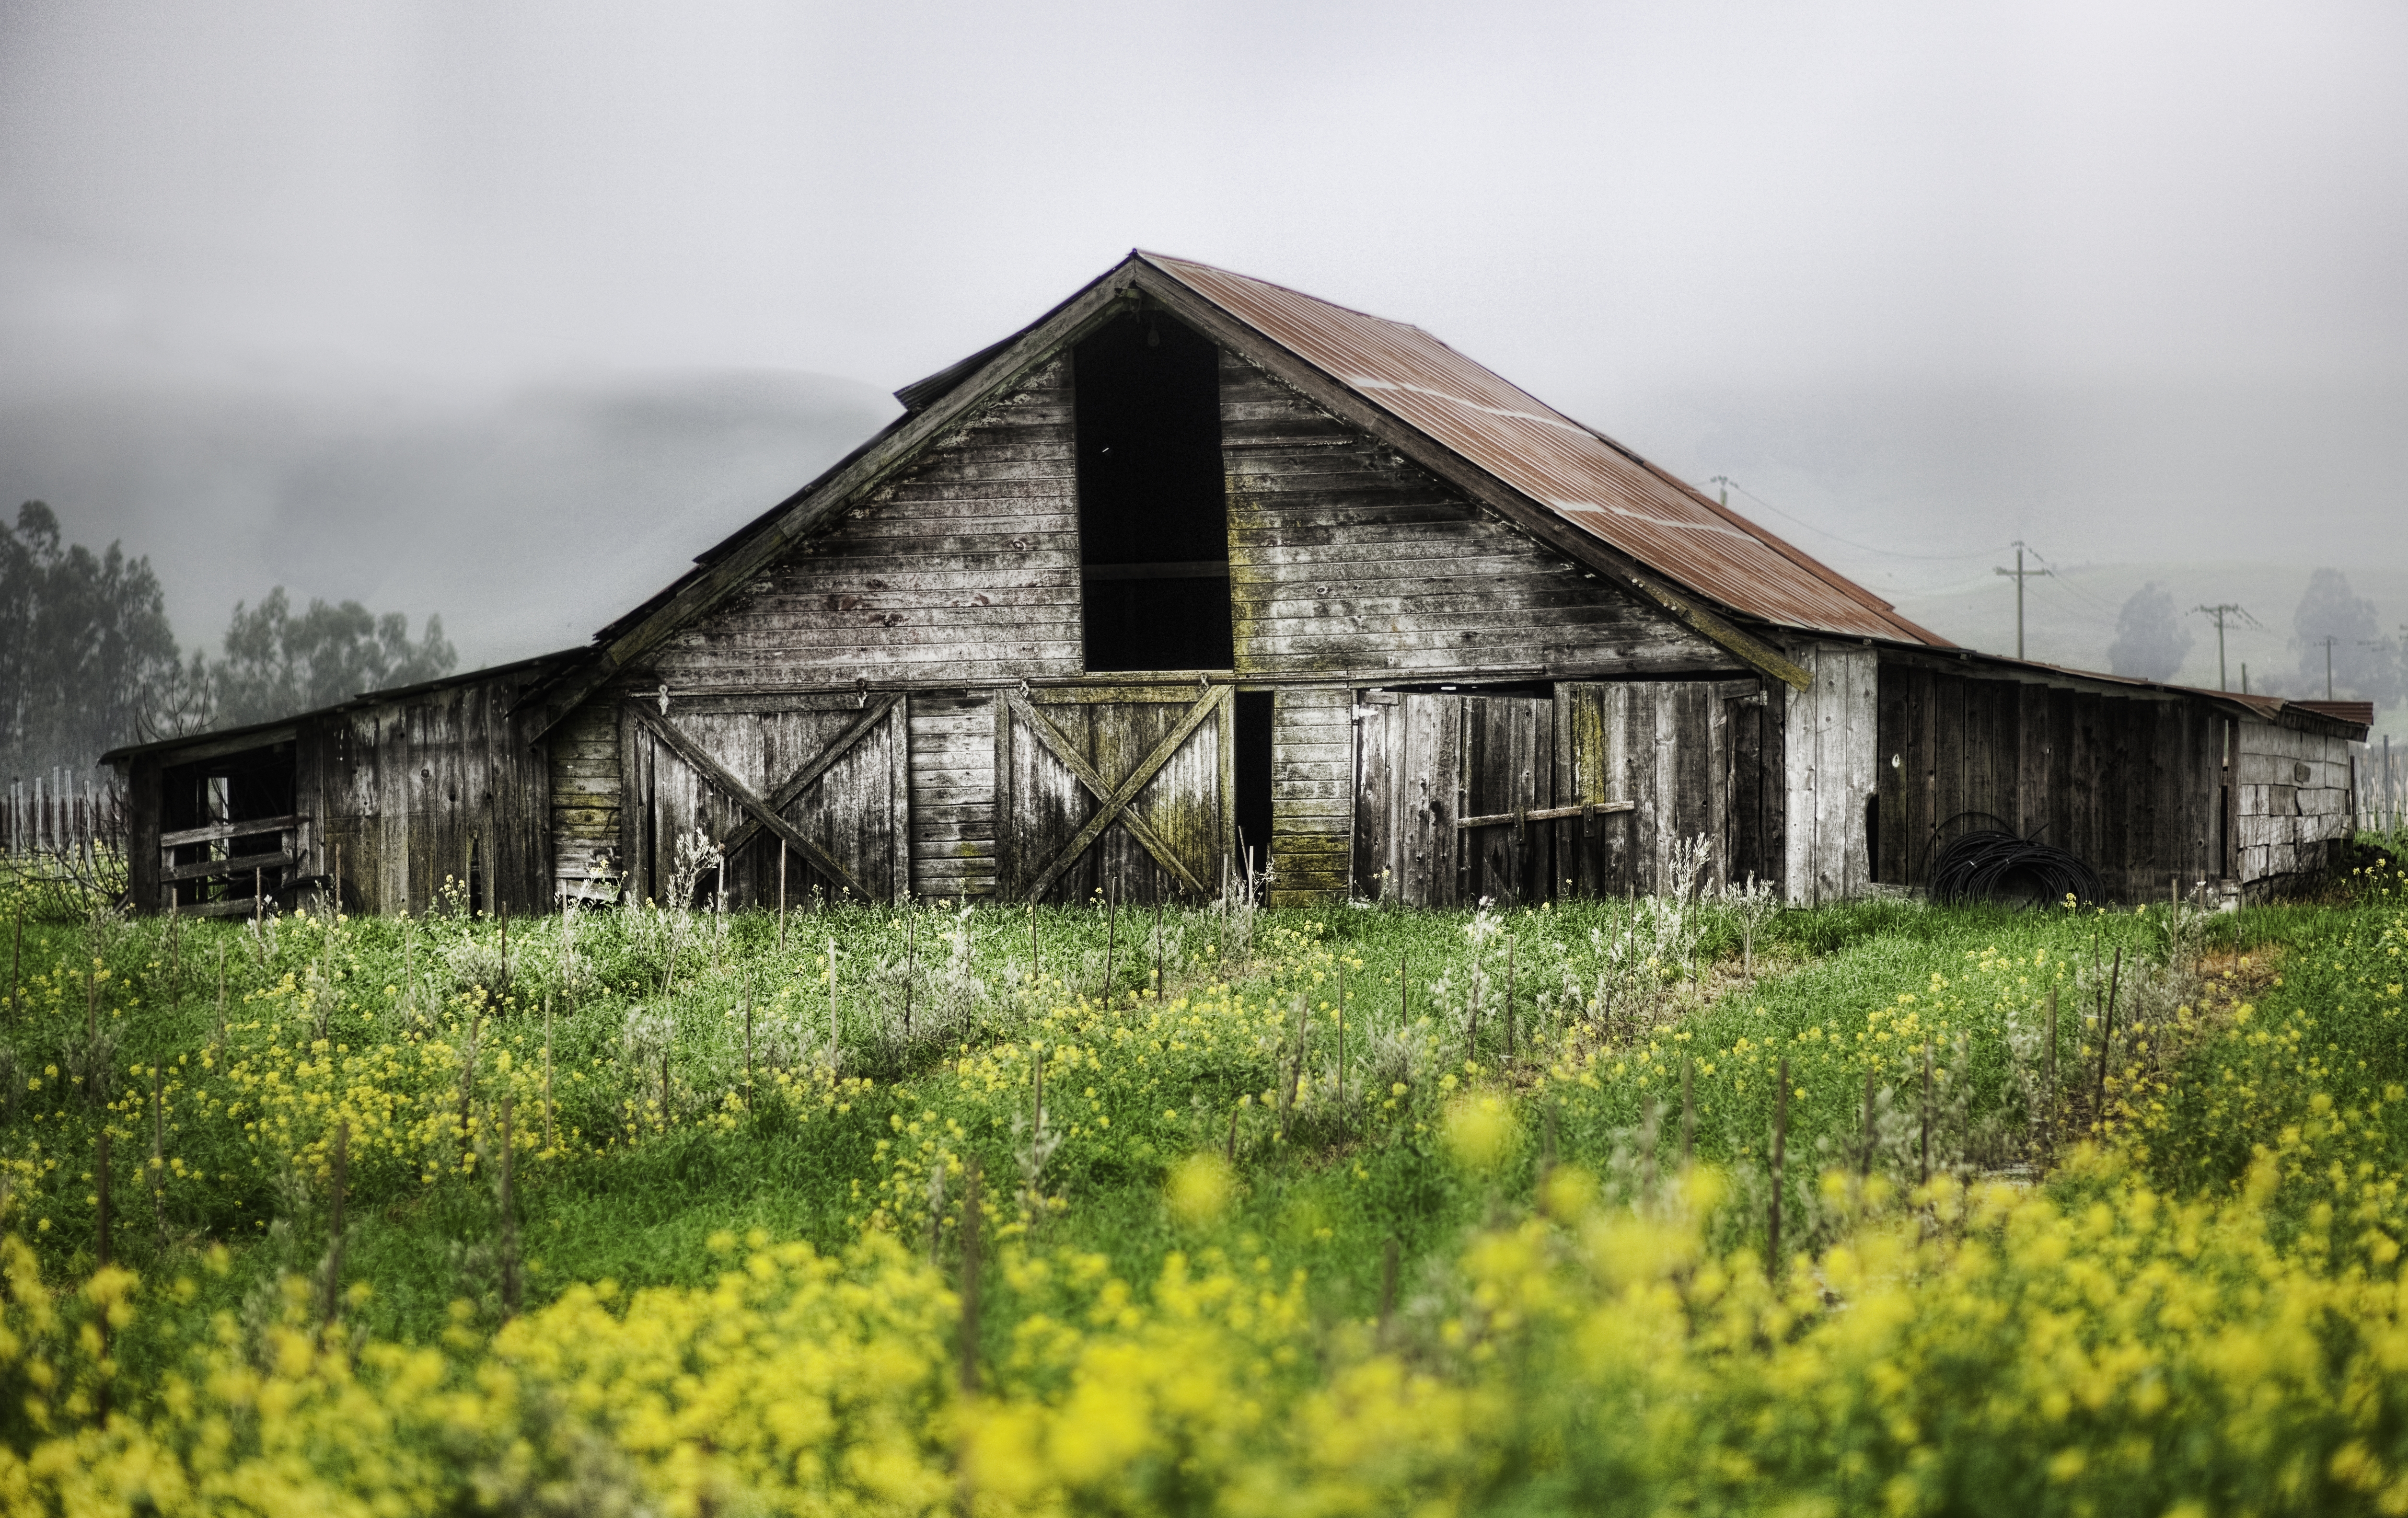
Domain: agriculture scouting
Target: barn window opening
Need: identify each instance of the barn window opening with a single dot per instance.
(1253, 774)
(1154, 518)
(227, 827)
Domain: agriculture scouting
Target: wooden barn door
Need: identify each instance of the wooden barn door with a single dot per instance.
(1122, 789)
(829, 776)
(1443, 789)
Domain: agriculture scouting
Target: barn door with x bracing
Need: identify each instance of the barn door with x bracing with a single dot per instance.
(826, 775)
(1120, 789)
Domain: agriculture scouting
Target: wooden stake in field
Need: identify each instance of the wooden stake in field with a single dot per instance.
(550, 1134)
(1688, 1110)
(218, 1039)
(831, 1033)
(2048, 1079)
(1032, 945)
(782, 894)
(1112, 936)
(1404, 991)
(159, 1151)
(1158, 894)
(911, 951)
(2107, 1035)
(748, 1042)
(17, 957)
(1926, 1113)
(1780, 1154)
(969, 1287)
(1865, 1165)
(1508, 998)
(1342, 1045)
(100, 1250)
(342, 1169)
(1387, 1279)
(509, 1224)
(505, 915)
(936, 1211)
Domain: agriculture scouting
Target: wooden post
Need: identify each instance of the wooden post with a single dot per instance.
(1780, 1154)
(220, 1035)
(509, 1224)
(17, 957)
(936, 1211)
(1509, 997)
(1865, 1165)
(1111, 935)
(909, 964)
(832, 1029)
(1387, 1281)
(1688, 1109)
(334, 1224)
(748, 1042)
(1926, 1113)
(1404, 991)
(1471, 1038)
(1342, 1045)
(550, 1133)
(338, 878)
(100, 1198)
(1158, 893)
(970, 1290)
(159, 1151)
(2107, 1035)
(1032, 947)
(2048, 1079)
(504, 914)
(782, 894)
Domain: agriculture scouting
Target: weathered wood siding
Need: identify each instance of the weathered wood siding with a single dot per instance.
(406, 789)
(1830, 745)
(953, 766)
(965, 568)
(2292, 802)
(1047, 809)
(1312, 764)
(2133, 785)
(1698, 757)
(857, 811)
(1692, 756)
(1342, 556)
(585, 835)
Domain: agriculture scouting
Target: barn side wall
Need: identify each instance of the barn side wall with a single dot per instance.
(2132, 784)
(1830, 760)
(2292, 802)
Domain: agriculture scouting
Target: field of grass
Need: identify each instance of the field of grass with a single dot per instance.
(1336, 1211)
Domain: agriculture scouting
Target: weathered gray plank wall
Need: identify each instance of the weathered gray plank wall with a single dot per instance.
(1312, 764)
(2133, 785)
(583, 753)
(2293, 801)
(965, 568)
(1344, 557)
(1692, 757)
(408, 788)
(1829, 756)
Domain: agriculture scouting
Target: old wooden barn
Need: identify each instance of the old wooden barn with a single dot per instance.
(1196, 570)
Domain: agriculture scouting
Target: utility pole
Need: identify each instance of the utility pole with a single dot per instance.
(2019, 574)
(1722, 487)
(2329, 641)
(2219, 613)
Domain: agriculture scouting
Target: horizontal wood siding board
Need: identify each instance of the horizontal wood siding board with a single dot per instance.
(965, 563)
(1344, 555)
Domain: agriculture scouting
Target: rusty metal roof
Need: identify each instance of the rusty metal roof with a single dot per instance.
(1576, 471)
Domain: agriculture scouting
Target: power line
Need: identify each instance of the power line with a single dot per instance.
(1861, 547)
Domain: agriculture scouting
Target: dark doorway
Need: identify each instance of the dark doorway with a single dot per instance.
(1154, 520)
(1253, 778)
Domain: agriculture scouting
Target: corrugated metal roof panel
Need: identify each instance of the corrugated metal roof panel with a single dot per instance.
(1580, 473)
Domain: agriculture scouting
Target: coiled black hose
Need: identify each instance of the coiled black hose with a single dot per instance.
(1991, 864)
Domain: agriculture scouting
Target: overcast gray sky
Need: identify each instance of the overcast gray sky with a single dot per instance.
(382, 300)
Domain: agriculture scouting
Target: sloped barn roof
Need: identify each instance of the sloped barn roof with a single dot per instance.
(1576, 471)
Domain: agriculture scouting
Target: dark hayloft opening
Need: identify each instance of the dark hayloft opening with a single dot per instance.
(1153, 522)
(1253, 774)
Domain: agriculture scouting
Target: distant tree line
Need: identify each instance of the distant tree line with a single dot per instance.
(88, 661)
